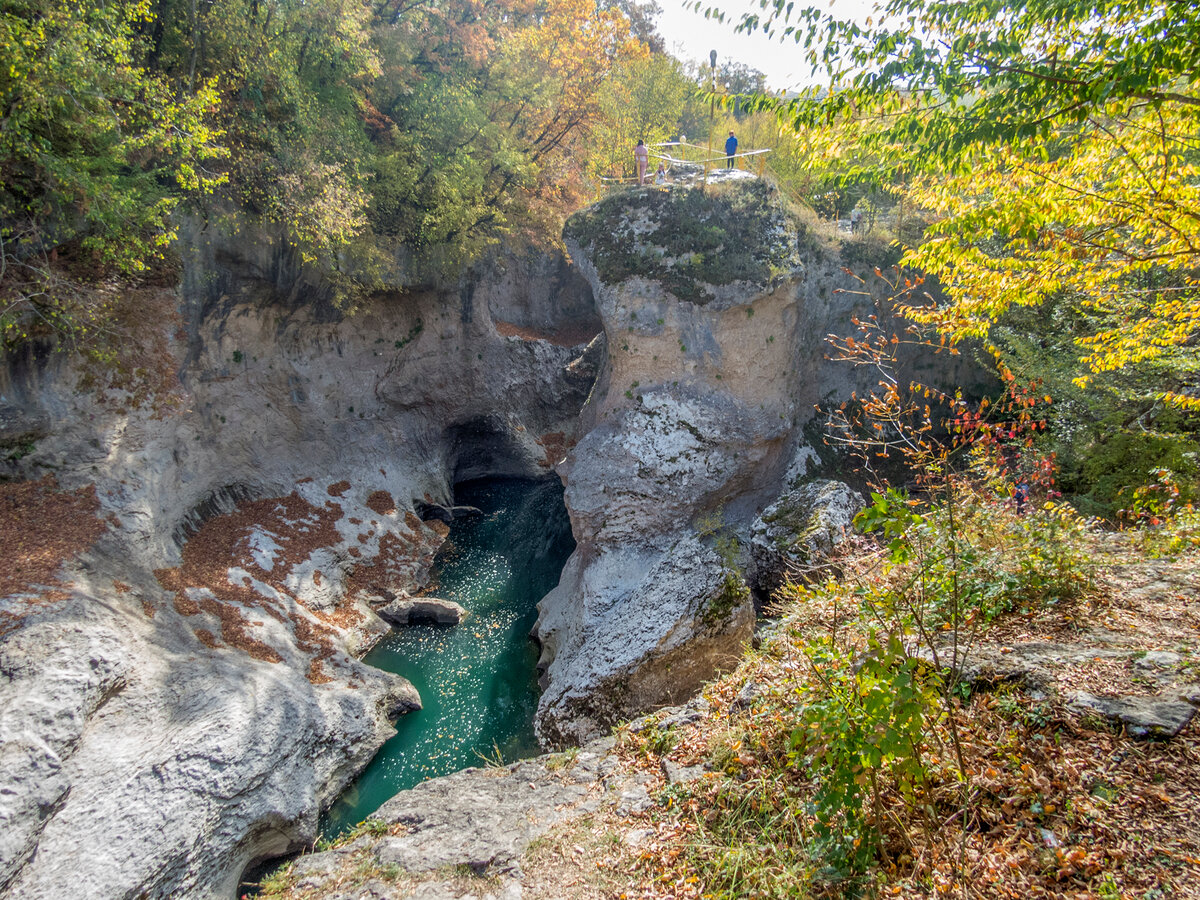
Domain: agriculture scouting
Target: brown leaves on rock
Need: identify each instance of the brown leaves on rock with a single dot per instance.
(41, 528)
(569, 335)
(297, 528)
(381, 502)
(1047, 805)
(556, 445)
(401, 560)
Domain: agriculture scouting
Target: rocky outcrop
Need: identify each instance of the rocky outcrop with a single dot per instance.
(636, 627)
(715, 306)
(188, 699)
(481, 819)
(1141, 716)
(487, 822)
(1150, 693)
(407, 610)
(799, 530)
(124, 746)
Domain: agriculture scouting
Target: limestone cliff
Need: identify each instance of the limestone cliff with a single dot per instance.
(715, 307)
(186, 698)
(254, 468)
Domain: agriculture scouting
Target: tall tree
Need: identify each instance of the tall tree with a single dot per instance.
(1056, 141)
(96, 151)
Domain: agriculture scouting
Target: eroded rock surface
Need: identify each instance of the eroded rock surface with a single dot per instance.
(407, 610)
(483, 819)
(715, 307)
(187, 699)
(246, 745)
(800, 529)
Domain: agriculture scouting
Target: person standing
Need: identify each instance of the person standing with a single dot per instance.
(730, 149)
(641, 156)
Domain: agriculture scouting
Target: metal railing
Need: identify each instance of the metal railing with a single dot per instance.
(688, 156)
(706, 157)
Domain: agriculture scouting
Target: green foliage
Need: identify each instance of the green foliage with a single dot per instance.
(1014, 71)
(1022, 708)
(652, 741)
(731, 594)
(890, 513)
(563, 760)
(348, 126)
(493, 759)
(754, 843)
(371, 827)
(970, 558)
(1120, 464)
(732, 591)
(96, 151)
(875, 696)
(1169, 519)
(1050, 149)
(642, 101)
(863, 723)
(278, 882)
(1108, 436)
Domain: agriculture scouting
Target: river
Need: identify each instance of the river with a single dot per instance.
(477, 680)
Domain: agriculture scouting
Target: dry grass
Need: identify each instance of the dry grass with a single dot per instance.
(1058, 805)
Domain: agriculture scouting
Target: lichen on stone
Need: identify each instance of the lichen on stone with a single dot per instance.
(688, 239)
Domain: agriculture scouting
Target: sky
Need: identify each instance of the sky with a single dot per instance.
(690, 37)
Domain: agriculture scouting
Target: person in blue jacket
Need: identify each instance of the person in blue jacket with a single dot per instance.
(730, 149)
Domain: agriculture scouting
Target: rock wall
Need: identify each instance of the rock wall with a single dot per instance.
(187, 699)
(184, 698)
(716, 305)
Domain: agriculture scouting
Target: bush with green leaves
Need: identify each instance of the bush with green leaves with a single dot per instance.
(972, 557)
(865, 722)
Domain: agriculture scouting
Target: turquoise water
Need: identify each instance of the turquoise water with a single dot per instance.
(477, 680)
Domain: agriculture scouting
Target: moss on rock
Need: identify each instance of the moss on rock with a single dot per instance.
(689, 239)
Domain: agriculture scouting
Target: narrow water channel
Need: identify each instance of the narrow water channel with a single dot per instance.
(477, 680)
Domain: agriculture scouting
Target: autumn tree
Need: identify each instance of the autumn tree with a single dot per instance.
(96, 151)
(344, 124)
(1053, 145)
(482, 114)
(1055, 141)
(642, 101)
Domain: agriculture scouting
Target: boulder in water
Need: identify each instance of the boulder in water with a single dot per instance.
(407, 610)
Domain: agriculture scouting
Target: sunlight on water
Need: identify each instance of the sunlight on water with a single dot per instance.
(477, 680)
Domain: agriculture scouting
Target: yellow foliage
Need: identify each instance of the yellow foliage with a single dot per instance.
(1108, 214)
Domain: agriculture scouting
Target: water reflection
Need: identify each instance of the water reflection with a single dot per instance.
(477, 680)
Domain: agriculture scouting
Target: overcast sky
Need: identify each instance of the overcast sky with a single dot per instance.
(690, 37)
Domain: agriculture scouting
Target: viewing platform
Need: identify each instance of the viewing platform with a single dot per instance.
(691, 164)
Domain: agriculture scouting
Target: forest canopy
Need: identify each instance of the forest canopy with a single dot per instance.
(438, 125)
(1048, 151)
(1054, 145)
